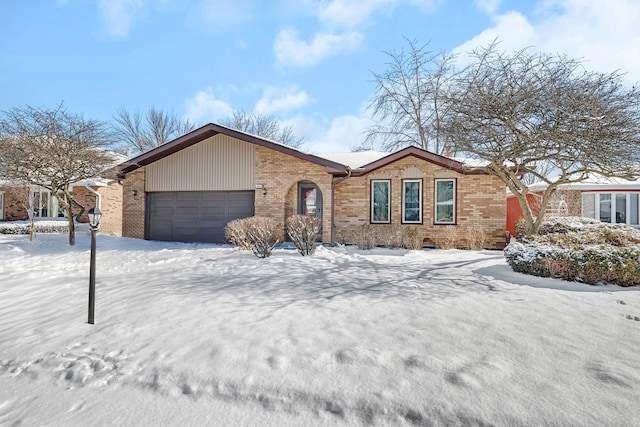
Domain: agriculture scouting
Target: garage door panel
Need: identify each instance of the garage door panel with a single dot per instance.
(187, 211)
(187, 196)
(213, 211)
(217, 196)
(163, 214)
(195, 216)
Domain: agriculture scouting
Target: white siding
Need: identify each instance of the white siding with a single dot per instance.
(219, 163)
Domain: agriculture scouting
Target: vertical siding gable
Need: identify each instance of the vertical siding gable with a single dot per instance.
(219, 163)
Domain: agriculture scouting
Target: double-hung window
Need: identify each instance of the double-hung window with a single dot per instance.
(445, 201)
(412, 201)
(380, 201)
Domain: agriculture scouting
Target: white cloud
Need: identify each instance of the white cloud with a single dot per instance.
(204, 107)
(606, 36)
(512, 29)
(488, 6)
(352, 13)
(291, 50)
(349, 13)
(280, 98)
(118, 15)
(339, 135)
(221, 13)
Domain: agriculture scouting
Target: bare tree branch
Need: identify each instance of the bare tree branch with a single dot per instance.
(408, 100)
(141, 133)
(53, 148)
(540, 113)
(265, 126)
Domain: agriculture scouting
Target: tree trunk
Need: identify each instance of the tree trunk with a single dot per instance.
(72, 228)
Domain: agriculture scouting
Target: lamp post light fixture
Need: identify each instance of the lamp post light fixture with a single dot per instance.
(94, 215)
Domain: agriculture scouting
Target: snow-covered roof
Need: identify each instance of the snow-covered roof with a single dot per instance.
(93, 182)
(595, 182)
(355, 159)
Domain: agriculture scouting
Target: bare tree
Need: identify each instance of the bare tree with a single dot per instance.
(407, 104)
(53, 148)
(142, 132)
(523, 110)
(263, 125)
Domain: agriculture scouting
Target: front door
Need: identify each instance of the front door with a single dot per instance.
(309, 199)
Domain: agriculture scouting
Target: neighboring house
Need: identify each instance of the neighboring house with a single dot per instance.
(15, 201)
(189, 188)
(613, 200)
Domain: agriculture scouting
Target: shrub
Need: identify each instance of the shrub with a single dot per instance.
(303, 230)
(390, 236)
(364, 237)
(412, 238)
(256, 233)
(236, 233)
(477, 238)
(580, 250)
(446, 239)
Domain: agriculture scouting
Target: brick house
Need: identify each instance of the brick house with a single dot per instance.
(189, 188)
(14, 202)
(613, 200)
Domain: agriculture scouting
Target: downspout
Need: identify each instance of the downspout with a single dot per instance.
(98, 196)
(333, 185)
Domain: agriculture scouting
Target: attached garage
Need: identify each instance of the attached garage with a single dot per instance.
(195, 216)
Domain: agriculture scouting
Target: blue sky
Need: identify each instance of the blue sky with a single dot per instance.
(307, 62)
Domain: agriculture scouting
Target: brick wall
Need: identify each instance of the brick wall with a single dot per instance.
(481, 203)
(86, 198)
(111, 222)
(16, 203)
(280, 175)
(133, 207)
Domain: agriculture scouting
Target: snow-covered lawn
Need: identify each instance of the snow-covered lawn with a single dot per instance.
(206, 335)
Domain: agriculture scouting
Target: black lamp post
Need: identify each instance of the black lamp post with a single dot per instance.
(94, 215)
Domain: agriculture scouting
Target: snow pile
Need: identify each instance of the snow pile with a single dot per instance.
(580, 249)
(197, 334)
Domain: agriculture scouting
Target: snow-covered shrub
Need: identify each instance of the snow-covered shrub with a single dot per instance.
(303, 231)
(580, 249)
(24, 227)
(256, 233)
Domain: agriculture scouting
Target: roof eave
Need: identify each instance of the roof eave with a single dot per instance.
(212, 129)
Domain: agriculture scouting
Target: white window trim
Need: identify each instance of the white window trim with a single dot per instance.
(435, 201)
(52, 205)
(388, 221)
(419, 221)
(613, 205)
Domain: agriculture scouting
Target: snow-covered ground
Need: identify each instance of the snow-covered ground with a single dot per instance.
(190, 334)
